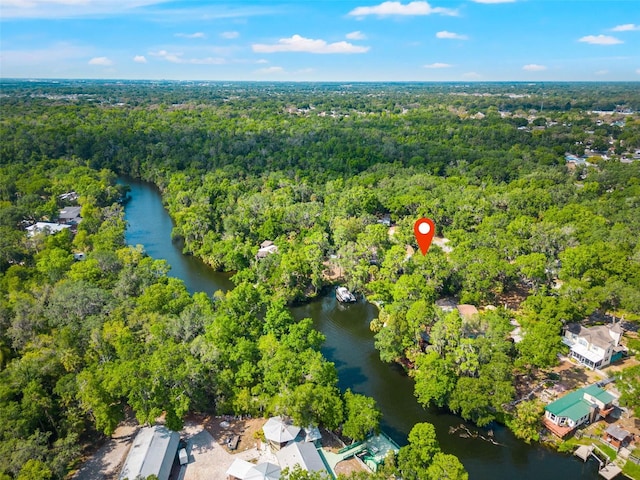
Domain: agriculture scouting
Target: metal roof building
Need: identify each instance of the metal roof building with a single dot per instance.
(152, 453)
(303, 454)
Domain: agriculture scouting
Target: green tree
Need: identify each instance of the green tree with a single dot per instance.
(525, 423)
(628, 382)
(311, 404)
(415, 458)
(541, 344)
(363, 416)
(446, 467)
(35, 470)
(434, 378)
(54, 263)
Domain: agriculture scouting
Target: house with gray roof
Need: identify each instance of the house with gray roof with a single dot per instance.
(152, 453)
(594, 347)
(70, 215)
(302, 454)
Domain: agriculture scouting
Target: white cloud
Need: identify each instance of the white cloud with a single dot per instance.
(270, 70)
(602, 72)
(533, 67)
(396, 8)
(494, 1)
(191, 35)
(438, 65)
(638, 71)
(600, 40)
(451, 35)
(179, 58)
(307, 45)
(262, 60)
(627, 27)
(102, 61)
(70, 8)
(357, 35)
(140, 59)
(230, 35)
(45, 60)
(471, 76)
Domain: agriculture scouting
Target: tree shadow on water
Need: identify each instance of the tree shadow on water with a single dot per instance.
(351, 377)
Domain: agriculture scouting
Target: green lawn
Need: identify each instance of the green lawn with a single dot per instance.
(632, 470)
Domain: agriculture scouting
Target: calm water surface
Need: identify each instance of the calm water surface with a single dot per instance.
(350, 346)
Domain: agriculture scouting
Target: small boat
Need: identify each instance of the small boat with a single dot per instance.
(344, 295)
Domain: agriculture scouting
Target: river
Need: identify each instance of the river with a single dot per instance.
(350, 346)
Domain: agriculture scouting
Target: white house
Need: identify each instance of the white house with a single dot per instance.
(594, 347)
(266, 248)
(587, 404)
(45, 227)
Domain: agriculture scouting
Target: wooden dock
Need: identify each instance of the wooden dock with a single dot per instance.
(606, 470)
(583, 452)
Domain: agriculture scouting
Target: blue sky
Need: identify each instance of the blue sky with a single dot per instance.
(322, 40)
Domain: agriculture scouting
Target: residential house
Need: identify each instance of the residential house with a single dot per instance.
(266, 248)
(70, 215)
(152, 453)
(302, 454)
(581, 406)
(69, 196)
(571, 158)
(594, 347)
(46, 228)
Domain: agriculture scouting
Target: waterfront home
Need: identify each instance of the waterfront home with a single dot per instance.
(579, 407)
(594, 347)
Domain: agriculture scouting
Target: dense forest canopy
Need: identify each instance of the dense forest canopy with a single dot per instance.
(315, 168)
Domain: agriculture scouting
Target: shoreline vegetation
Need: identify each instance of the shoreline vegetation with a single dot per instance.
(240, 165)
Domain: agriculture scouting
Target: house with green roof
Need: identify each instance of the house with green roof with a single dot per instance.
(582, 406)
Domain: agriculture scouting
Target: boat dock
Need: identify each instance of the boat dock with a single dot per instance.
(606, 469)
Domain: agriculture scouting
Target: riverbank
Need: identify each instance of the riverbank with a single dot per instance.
(350, 346)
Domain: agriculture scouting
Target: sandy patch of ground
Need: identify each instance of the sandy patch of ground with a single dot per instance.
(223, 428)
(107, 461)
(347, 467)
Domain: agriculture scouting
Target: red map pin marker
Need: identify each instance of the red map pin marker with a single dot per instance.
(424, 228)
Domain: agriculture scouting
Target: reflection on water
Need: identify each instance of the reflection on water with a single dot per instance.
(150, 225)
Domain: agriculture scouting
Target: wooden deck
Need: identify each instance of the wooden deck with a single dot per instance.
(557, 430)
